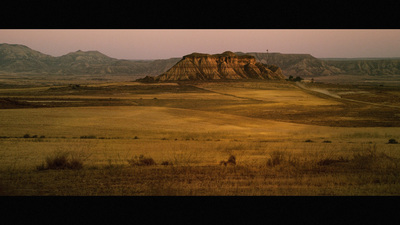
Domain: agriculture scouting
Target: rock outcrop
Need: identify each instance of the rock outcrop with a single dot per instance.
(228, 65)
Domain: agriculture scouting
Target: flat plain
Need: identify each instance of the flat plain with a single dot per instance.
(287, 138)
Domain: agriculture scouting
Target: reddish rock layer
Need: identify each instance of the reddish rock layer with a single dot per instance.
(227, 65)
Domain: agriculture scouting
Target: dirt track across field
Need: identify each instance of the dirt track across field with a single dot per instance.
(333, 95)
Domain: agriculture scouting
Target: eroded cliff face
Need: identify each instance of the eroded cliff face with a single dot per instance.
(227, 65)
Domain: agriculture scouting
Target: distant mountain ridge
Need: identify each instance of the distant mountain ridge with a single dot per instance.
(368, 66)
(20, 59)
(307, 65)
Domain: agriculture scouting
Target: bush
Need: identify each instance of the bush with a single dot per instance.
(282, 158)
(166, 163)
(75, 164)
(372, 159)
(26, 136)
(41, 167)
(61, 160)
(277, 157)
(57, 161)
(392, 141)
(141, 161)
(299, 79)
(231, 161)
(88, 137)
(329, 161)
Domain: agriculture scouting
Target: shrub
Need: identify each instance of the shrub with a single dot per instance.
(26, 136)
(166, 163)
(88, 137)
(277, 158)
(329, 161)
(75, 164)
(141, 161)
(283, 158)
(371, 159)
(231, 161)
(41, 167)
(61, 160)
(392, 141)
(295, 79)
(57, 161)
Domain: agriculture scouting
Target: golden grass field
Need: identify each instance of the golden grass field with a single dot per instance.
(287, 140)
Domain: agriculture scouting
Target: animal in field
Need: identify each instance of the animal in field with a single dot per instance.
(231, 161)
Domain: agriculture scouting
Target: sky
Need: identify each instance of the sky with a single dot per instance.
(170, 43)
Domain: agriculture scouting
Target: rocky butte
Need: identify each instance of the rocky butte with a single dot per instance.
(228, 65)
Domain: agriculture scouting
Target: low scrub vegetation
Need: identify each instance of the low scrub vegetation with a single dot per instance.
(33, 136)
(61, 161)
(141, 161)
(282, 158)
(265, 168)
(296, 79)
(167, 163)
(230, 161)
(88, 137)
(366, 158)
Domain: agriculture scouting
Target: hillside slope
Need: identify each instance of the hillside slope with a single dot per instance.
(297, 64)
(21, 59)
(368, 67)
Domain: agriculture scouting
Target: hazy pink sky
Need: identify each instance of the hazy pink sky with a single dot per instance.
(162, 44)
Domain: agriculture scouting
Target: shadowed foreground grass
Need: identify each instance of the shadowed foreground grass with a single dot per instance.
(364, 170)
